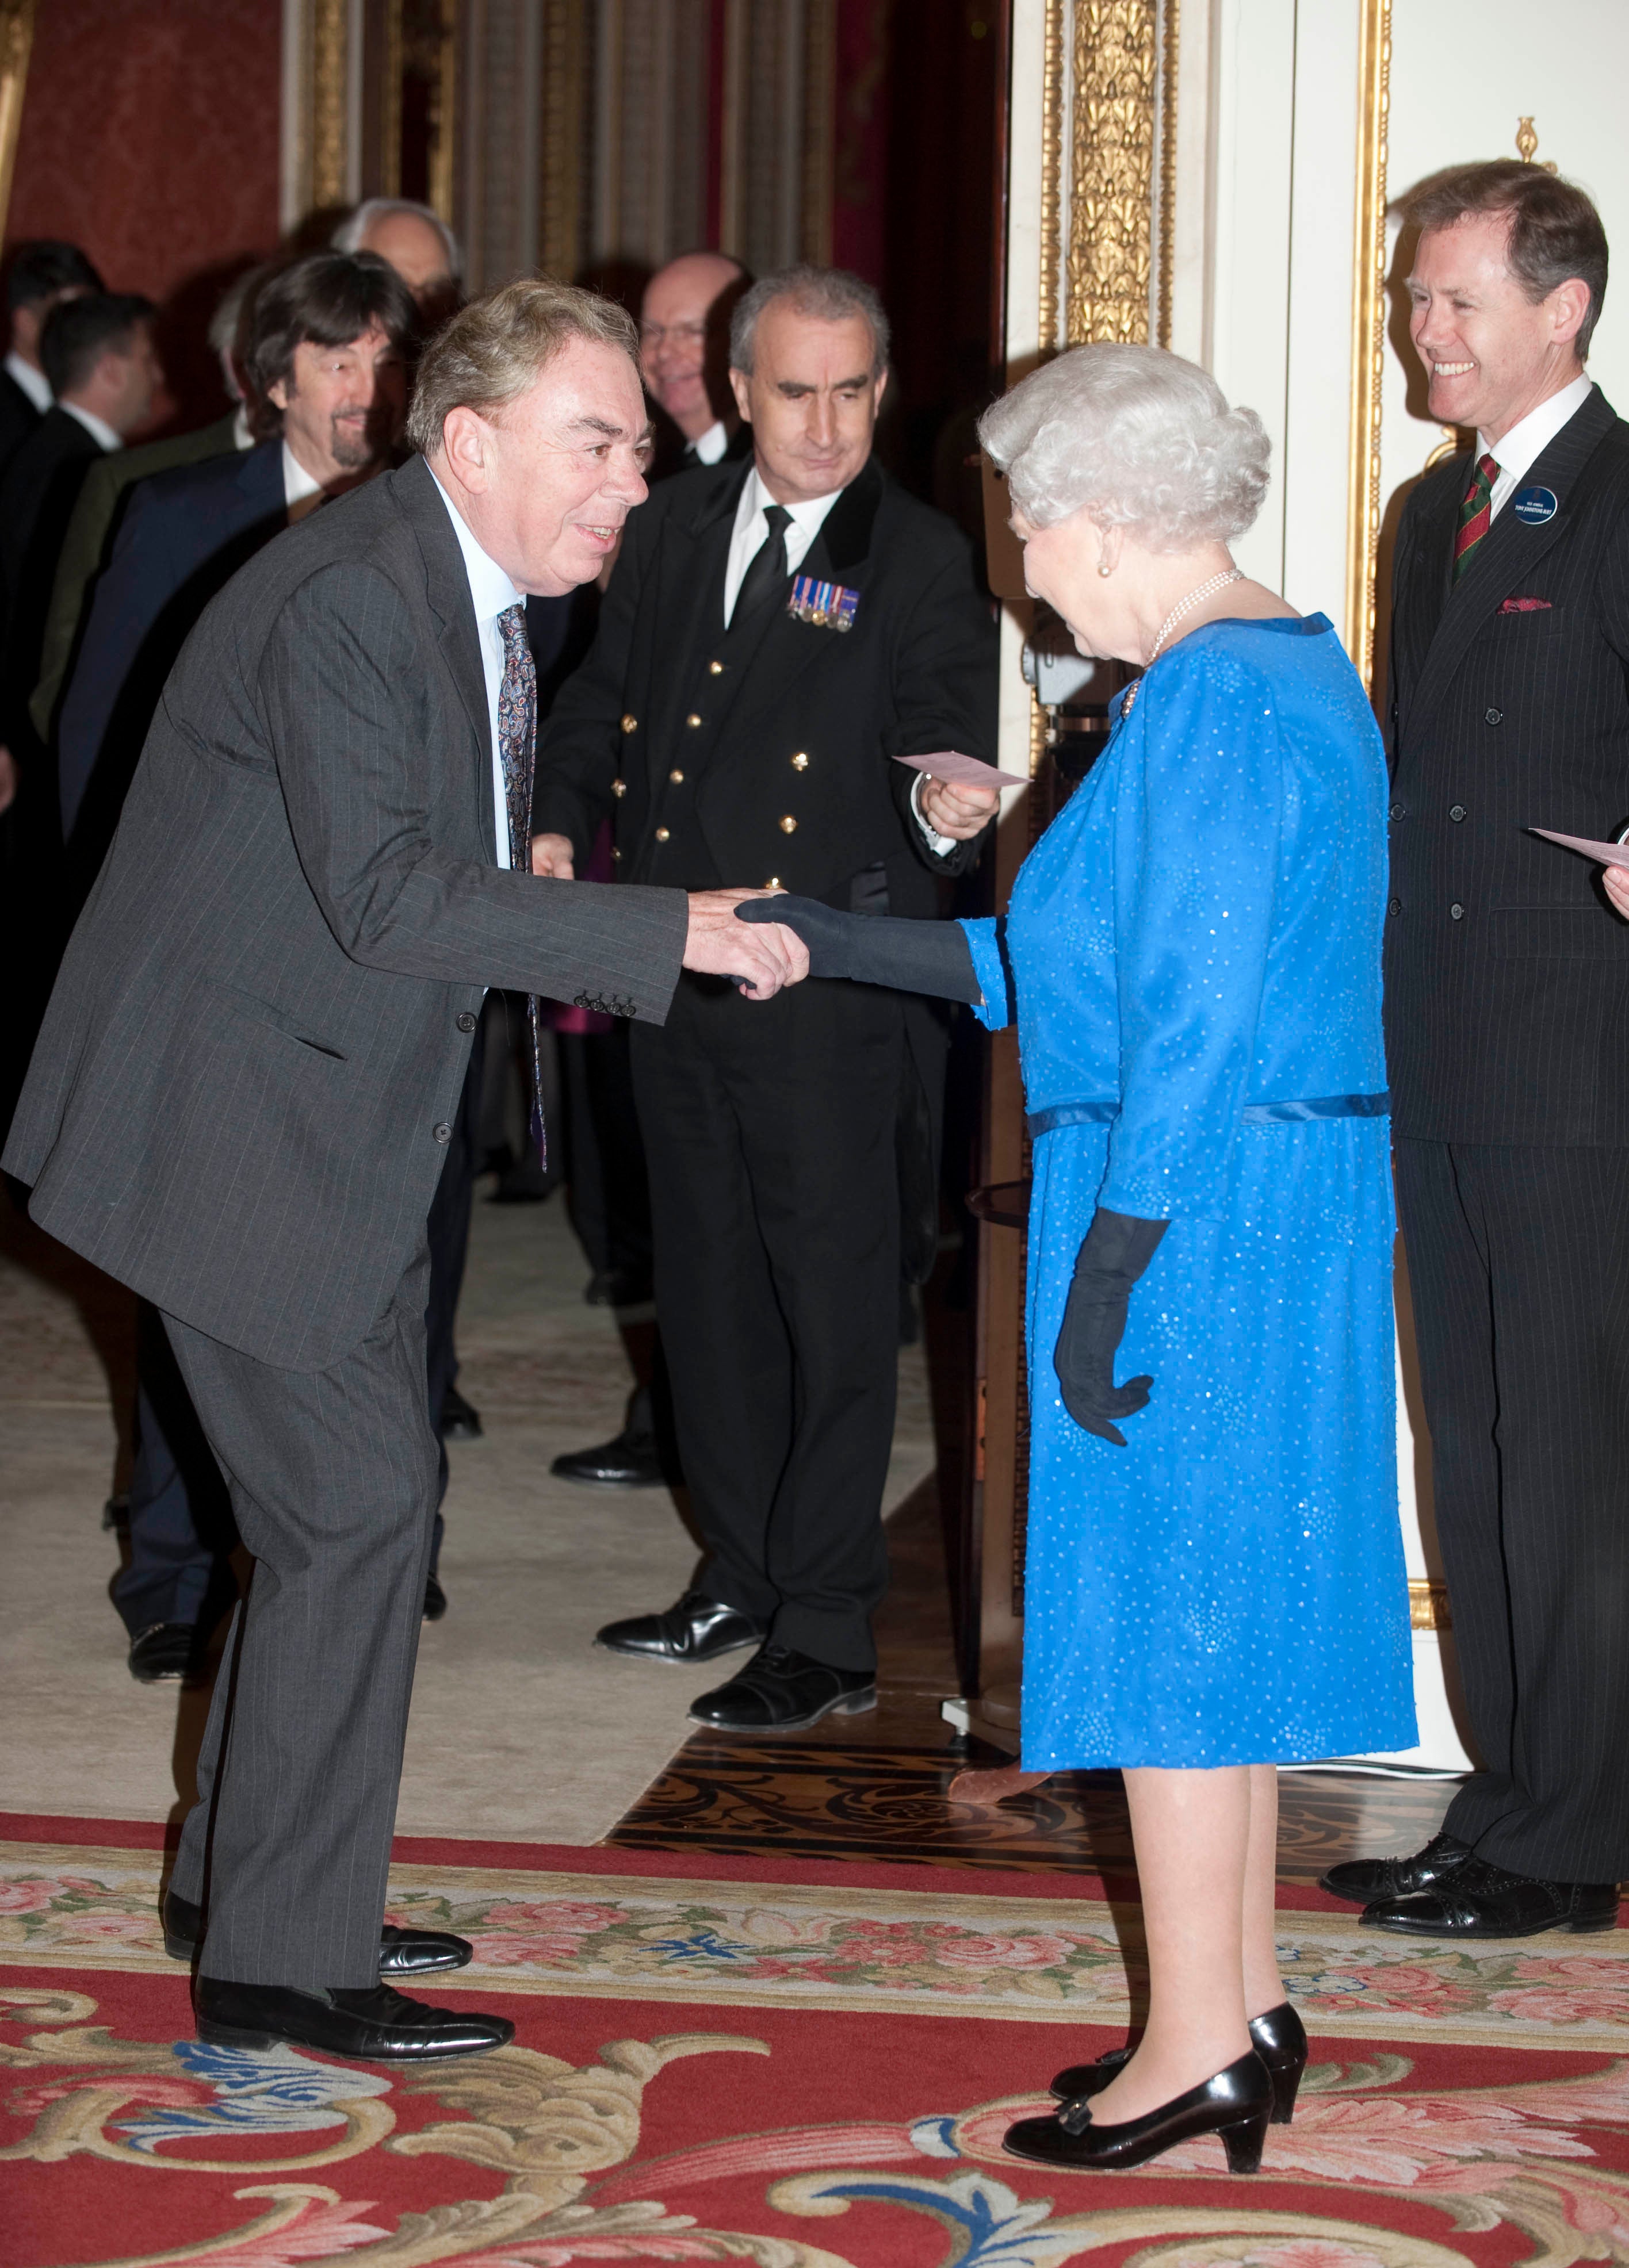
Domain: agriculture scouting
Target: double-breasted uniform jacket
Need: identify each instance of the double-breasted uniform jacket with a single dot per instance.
(760, 753)
(1507, 970)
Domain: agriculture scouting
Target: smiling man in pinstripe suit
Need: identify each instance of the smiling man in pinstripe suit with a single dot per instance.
(1507, 1037)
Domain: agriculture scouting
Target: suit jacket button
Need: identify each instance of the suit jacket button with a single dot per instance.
(1396, 811)
(1395, 906)
(662, 835)
(630, 723)
(1456, 812)
(1493, 715)
(1456, 912)
(442, 1133)
(466, 1021)
(789, 825)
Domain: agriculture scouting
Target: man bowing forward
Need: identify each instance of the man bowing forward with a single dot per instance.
(240, 1098)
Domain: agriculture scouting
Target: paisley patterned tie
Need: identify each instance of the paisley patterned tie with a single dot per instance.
(517, 747)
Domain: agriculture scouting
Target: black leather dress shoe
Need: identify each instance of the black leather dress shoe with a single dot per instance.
(1236, 2104)
(461, 1420)
(618, 1287)
(1365, 1880)
(435, 1599)
(631, 1461)
(1481, 1900)
(401, 1952)
(781, 1691)
(165, 1650)
(376, 2025)
(1279, 2039)
(695, 1629)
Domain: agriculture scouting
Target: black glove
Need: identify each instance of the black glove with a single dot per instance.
(912, 956)
(1117, 1250)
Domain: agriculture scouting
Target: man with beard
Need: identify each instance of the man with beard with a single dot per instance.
(328, 348)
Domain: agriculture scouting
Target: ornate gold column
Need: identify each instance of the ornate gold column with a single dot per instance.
(16, 33)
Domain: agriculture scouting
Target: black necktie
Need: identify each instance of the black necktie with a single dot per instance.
(767, 570)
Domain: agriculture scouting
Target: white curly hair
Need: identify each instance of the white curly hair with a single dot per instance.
(1136, 436)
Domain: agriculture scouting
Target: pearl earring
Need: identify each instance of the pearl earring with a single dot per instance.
(1103, 567)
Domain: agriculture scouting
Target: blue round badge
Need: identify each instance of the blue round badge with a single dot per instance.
(1534, 506)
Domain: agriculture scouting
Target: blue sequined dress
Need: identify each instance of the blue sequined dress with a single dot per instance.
(1194, 946)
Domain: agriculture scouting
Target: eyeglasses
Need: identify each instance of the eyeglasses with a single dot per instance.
(688, 334)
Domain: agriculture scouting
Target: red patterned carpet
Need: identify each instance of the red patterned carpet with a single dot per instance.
(804, 2066)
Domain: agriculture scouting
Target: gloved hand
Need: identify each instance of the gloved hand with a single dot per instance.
(912, 956)
(1116, 1249)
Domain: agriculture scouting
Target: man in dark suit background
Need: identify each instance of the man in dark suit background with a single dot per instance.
(37, 274)
(240, 1100)
(1508, 1040)
(684, 334)
(737, 730)
(327, 351)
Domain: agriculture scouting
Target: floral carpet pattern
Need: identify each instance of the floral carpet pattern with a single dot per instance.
(708, 2070)
(950, 1952)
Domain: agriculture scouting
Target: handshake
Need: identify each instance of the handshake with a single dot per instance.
(760, 959)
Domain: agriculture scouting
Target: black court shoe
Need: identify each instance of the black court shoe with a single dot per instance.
(1237, 2104)
(1281, 2040)
(401, 1952)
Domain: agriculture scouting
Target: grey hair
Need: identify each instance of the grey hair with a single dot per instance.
(348, 235)
(831, 295)
(1137, 438)
(489, 354)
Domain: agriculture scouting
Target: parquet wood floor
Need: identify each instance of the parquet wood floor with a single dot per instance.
(878, 1786)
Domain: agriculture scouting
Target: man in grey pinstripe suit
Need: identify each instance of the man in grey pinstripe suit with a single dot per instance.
(241, 1096)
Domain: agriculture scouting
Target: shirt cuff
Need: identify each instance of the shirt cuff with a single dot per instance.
(940, 845)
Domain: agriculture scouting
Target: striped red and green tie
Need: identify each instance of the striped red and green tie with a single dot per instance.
(1476, 514)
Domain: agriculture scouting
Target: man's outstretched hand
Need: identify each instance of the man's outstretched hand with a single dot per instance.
(761, 957)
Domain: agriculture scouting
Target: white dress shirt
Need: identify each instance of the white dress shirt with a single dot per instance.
(1527, 439)
(34, 382)
(298, 483)
(713, 443)
(492, 593)
(99, 430)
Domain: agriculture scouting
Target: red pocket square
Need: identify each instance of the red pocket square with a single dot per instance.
(1524, 607)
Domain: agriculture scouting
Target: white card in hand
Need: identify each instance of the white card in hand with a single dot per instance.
(957, 771)
(1609, 854)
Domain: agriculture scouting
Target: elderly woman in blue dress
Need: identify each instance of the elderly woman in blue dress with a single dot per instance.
(1215, 1579)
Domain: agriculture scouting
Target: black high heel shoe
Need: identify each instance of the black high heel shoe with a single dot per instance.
(1237, 2104)
(1281, 2040)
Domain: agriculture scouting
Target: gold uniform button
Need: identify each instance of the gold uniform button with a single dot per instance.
(692, 721)
(773, 883)
(618, 855)
(661, 834)
(715, 669)
(619, 787)
(799, 762)
(789, 825)
(630, 723)
(676, 776)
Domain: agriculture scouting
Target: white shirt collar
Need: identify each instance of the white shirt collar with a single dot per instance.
(807, 518)
(491, 588)
(242, 436)
(34, 382)
(1529, 437)
(711, 445)
(99, 430)
(298, 483)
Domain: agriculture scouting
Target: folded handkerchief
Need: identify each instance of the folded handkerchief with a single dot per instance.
(1524, 607)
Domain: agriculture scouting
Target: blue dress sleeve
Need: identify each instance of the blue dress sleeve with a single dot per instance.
(994, 1011)
(1197, 831)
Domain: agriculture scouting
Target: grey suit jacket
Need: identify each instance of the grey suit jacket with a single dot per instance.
(240, 1099)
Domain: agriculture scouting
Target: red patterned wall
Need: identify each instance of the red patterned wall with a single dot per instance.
(149, 136)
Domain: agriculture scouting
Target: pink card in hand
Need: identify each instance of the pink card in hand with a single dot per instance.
(957, 771)
(1609, 854)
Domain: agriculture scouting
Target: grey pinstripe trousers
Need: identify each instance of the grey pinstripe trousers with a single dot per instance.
(1519, 1263)
(333, 1475)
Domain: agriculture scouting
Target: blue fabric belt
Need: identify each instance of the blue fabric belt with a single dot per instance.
(1254, 1114)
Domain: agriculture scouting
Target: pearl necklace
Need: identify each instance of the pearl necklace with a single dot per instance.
(1195, 598)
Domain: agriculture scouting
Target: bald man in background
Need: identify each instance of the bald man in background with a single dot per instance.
(684, 324)
(420, 246)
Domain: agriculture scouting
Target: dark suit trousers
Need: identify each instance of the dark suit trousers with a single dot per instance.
(333, 1477)
(769, 1131)
(1519, 1263)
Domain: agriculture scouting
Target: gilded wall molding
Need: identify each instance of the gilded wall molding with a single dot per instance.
(1170, 34)
(1052, 173)
(17, 37)
(1111, 178)
(1369, 331)
(329, 107)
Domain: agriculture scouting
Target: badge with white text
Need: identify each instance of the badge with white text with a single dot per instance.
(1534, 506)
(828, 606)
